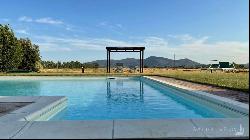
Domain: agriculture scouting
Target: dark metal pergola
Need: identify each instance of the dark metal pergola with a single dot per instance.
(125, 49)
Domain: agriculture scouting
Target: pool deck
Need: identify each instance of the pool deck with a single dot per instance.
(114, 129)
(231, 94)
(22, 123)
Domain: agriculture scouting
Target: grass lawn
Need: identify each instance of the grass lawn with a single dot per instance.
(235, 81)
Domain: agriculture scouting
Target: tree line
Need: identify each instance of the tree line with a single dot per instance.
(17, 54)
(71, 65)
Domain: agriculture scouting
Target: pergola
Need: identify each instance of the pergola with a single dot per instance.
(125, 49)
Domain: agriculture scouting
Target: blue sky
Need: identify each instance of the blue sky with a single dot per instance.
(81, 29)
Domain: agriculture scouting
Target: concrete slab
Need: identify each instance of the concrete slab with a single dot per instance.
(169, 128)
(13, 117)
(9, 129)
(68, 130)
(219, 128)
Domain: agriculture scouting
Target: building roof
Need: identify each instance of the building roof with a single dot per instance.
(125, 48)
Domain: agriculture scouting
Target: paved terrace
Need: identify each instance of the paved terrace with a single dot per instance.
(111, 129)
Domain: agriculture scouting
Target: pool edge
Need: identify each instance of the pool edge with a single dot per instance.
(229, 103)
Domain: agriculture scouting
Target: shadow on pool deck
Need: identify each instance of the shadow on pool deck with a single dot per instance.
(10, 106)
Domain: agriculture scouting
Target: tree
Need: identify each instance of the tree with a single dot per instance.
(10, 51)
(237, 66)
(31, 55)
(17, 54)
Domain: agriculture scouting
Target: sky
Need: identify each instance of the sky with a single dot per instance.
(65, 30)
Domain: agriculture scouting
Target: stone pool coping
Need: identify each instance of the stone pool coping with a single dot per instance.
(40, 107)
(222, 101)
(20, 124)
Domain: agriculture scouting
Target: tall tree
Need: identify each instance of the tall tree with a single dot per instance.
(10, 52)
(17, 54)
(30, 55)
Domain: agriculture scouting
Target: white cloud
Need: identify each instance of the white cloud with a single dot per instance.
(197, 49)
(45, 20)
(183, 37)
(48, 20)
(21, 31)
(119, 25)
(200, 50)
(110, 26)
(155, 42)
(52, 47)
(68, 29)
(82, 44)
(25, 19)
(103, 23)
(188, 38)
(223, 51)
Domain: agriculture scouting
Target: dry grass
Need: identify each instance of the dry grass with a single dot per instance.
(236, 81)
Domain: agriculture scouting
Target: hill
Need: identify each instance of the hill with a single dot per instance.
(151, 61)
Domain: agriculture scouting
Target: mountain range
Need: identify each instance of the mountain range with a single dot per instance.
(151, 61)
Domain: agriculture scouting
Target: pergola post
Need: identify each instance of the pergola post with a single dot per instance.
(107, 63)
(140, 62)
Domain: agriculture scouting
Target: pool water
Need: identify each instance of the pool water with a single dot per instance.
(100, 98)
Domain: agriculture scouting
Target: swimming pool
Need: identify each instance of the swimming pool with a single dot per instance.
(100, 98)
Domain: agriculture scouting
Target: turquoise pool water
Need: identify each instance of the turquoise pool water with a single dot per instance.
(99, 98)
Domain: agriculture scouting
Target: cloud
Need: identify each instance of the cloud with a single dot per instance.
(155, 42)
(52, 47)
(188, 38)
(68, 29)
(117, 28)
(197, 48)
(97, 44)
(25, 19)
(183, 37)
(48, 20)
(109, 25)
(21, 31)
(103, 23)
(119, 25)
(201, 50)
(45, 20)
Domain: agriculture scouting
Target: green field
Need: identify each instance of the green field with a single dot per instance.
(236, 81)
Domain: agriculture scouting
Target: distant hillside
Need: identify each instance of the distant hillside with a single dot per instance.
(151, 61)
